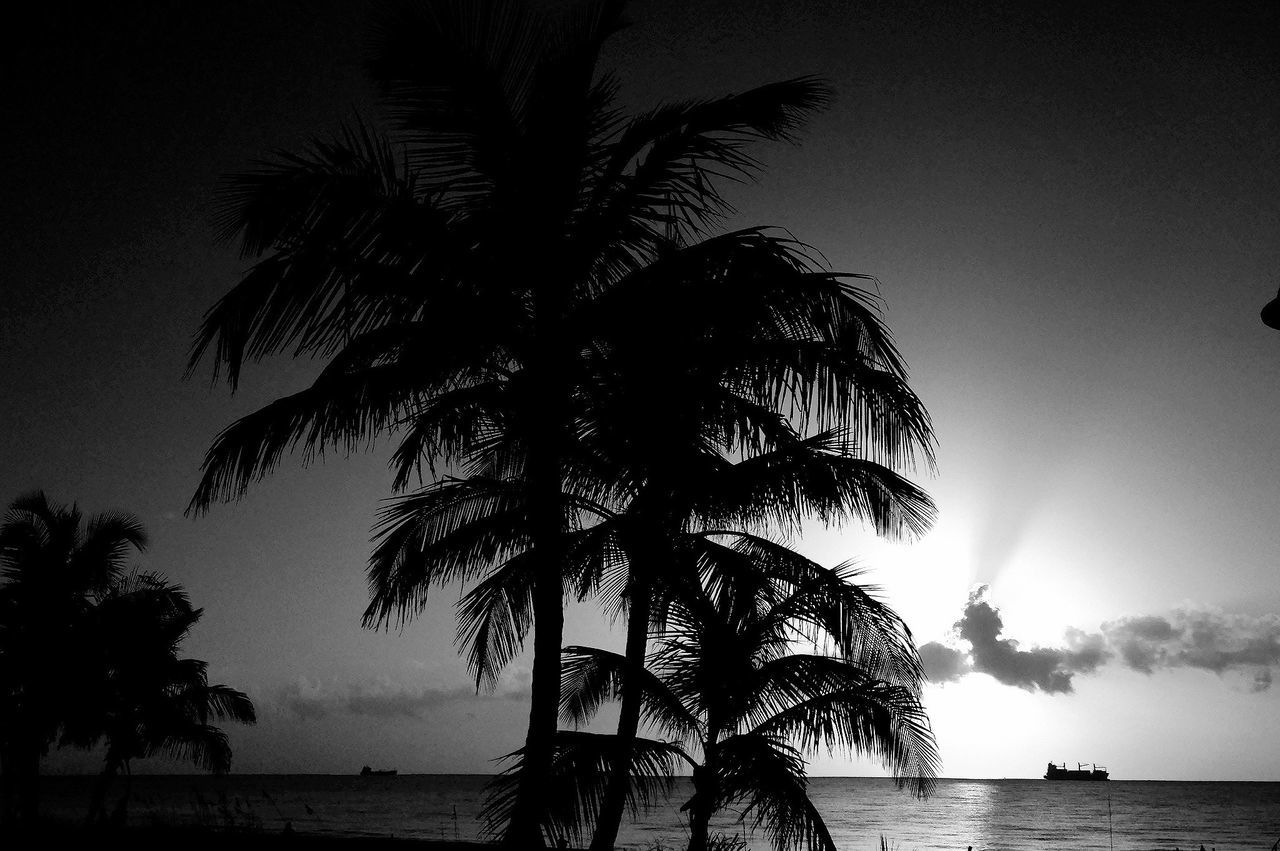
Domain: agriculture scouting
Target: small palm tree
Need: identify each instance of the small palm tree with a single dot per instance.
(53, 563)
(765, 345)
(149, 701)
(727, 681)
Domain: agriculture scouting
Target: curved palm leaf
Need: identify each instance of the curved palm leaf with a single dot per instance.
(766, 778)
(452, 531)
(575, 784)
(495, 616)
(871, 718)
(348, 235)
(592, 676)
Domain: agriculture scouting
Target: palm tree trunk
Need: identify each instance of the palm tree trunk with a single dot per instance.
(615, 795)
(8, 784)
(702, 805)
(545, 491)
(98, 805)
(121, 812)
(26, 762)
(525, 830)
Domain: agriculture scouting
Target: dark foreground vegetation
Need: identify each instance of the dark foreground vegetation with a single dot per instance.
(596, 392)
(208, 839)
(89, 658)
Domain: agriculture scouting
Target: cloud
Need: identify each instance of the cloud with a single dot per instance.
(944, 664)
(1200, 638)
(1188, 638)
(1047, 669)
(311, 700)
(305, 699)
(403, 703)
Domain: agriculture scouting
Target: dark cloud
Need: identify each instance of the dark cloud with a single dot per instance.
(942, 663)
(1261, 680)
(304, 701)
(1048, 669)
(1209, 640)
(404, 703)
(309, 701)
(1137, 639)
(1188, 638)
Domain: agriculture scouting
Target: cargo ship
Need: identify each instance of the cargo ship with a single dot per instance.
(1061, 772)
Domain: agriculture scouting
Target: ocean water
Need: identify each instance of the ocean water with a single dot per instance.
(989, 815)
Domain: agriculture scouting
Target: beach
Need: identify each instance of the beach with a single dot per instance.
(201, 838)
(441, 812)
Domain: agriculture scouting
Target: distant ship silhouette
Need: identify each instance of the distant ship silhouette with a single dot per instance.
(1078, 773)
(369, 772)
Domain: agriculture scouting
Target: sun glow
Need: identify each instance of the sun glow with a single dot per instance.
(969, 715)
(926, 582)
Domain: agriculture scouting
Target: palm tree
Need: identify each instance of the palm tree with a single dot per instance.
(149, 700)
(439, 275)
(725, 680)
(759, 332)
(53, 563)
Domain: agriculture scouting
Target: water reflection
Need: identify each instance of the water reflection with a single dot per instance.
(987, 815)
(974, 811)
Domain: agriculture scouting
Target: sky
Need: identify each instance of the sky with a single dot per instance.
(1074, 217)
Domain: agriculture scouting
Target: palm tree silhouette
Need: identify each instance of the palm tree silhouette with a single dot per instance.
(149, 700)
(659, 430)
(725, 680)
(762, 332)
(477, 526)
(53, 563)
(437, 276)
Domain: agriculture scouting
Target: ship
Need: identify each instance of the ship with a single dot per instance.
(1061, 772)
(369, 772)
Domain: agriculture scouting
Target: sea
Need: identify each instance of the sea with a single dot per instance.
(867, 814)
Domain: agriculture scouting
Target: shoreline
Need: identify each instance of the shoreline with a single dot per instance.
(204, 838)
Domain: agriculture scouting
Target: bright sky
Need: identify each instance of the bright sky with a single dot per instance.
(1075, 221)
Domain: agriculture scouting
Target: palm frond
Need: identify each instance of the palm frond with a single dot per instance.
(283, 197)
(109, 540)
(204, 745)
(338, 412)
(590, 676)
(794, 678)
(451, 531)
(457, 78)
(495, 616)
(457, 423)
(226, 703)
(37, 532)
(672, 157)
(815, 477)
(873, 719)
(766, 778)
(348, 236)
(575, 786)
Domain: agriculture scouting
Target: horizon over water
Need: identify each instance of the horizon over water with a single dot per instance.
(989, 815)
